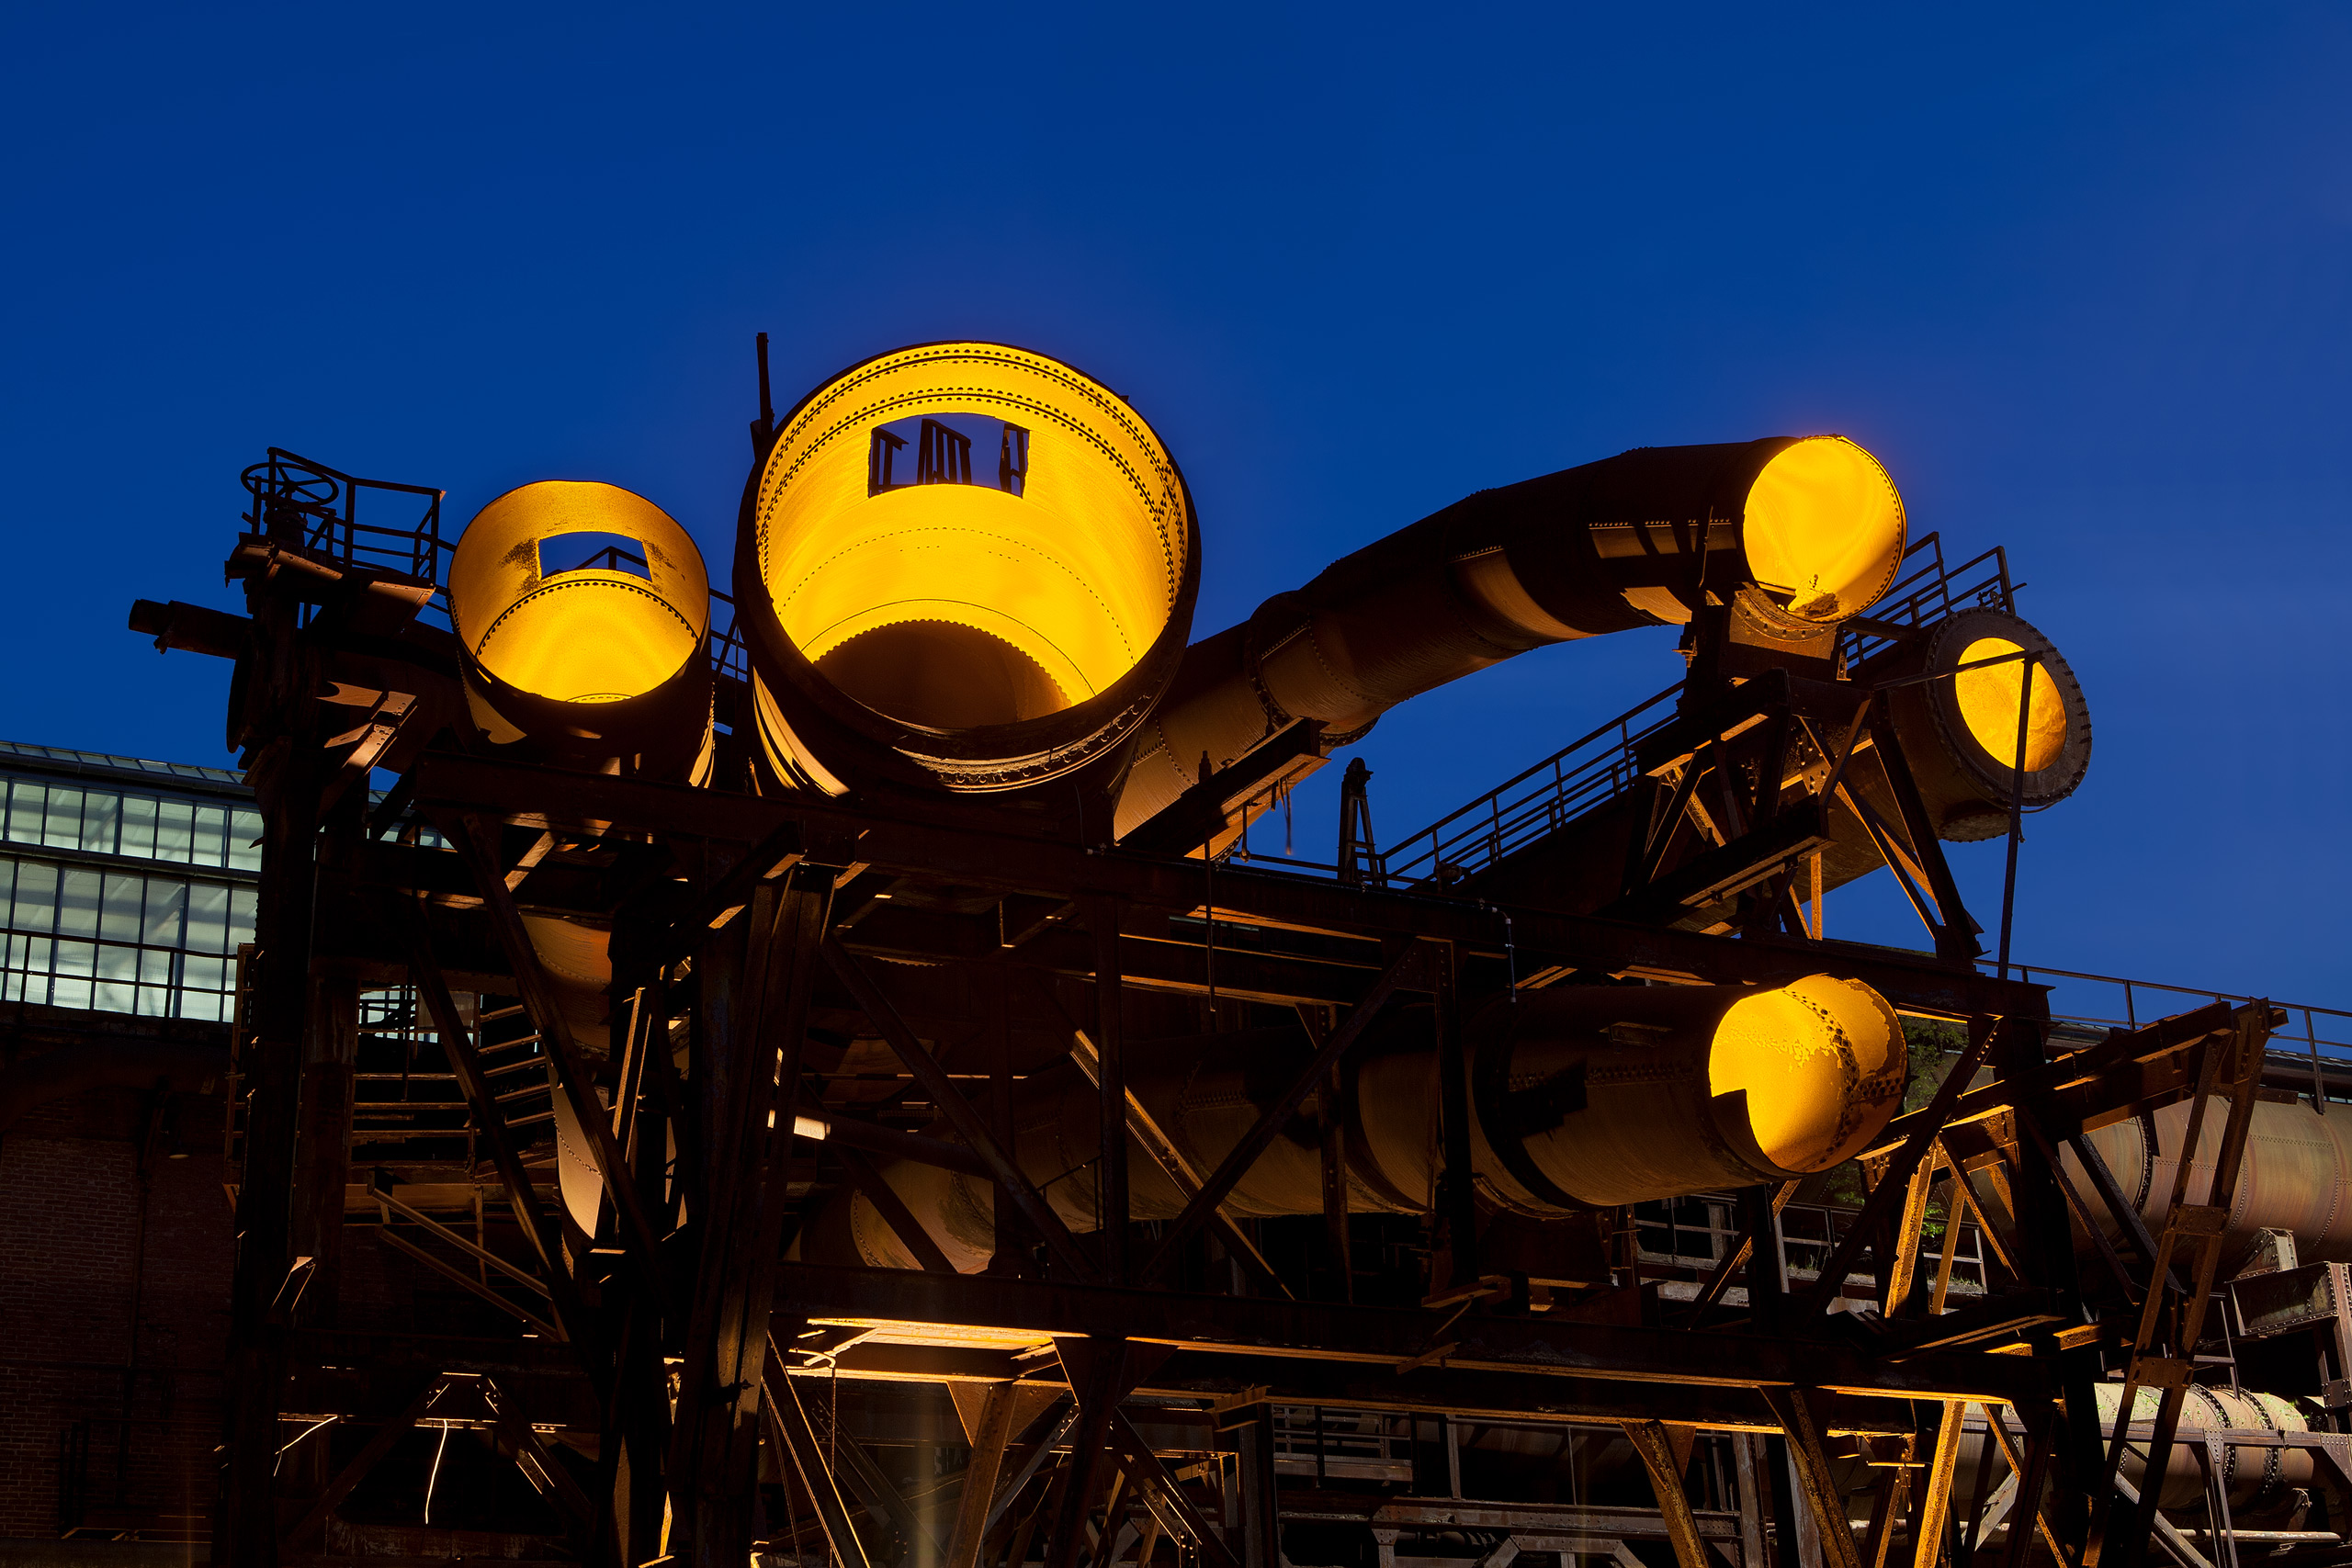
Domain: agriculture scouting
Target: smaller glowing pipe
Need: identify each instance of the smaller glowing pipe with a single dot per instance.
(1584, 1096)
(583, 661)
(1596, 1096)
(1960, 727)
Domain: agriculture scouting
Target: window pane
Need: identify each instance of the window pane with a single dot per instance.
(202, 974)
(242, 902)
(119, 910)
(66, 991)
(62, 825)
(7, 886)
(36, 907)
(245, 835)
(210, 844)
(77, 903)
(116, 962)
(208, 918)
(74, 958)
(138, 825)
(200, 1004)
(101, 820)
(155, 1002)
(26, 802)
(154, 968)
(174, 829)
(167, 912)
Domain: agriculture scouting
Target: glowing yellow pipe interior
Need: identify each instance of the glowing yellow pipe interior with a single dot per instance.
(1825, 526)
(1988, 702)
(1800, 1053)
(586, 636)
(956, 605)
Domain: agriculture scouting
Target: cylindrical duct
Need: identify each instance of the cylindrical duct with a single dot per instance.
(962, 566)
(1596, 1096)
(2256, 1479)
(2261, 1482)
(1803, 532)
(582, 610)
(1583, 1096)
(2297, 1176)
(577, 960)
(1960, 731)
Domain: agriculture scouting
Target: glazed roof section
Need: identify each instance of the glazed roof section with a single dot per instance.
(60, 759)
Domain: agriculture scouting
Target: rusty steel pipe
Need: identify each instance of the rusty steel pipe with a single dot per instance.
(1796, 533)
(1583, 1096)
(2297, 1176)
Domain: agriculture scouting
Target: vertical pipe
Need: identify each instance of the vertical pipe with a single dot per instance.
(1110, 1089)
(1007, 1224)
(767, 407)
(2016, 807)
(245, 1527)
(1334, 1152)
(1457, 1201)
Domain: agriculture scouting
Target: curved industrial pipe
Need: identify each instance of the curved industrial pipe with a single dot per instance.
(962, 566)
(1799, 534)
(586, 663)
(1582, 1095)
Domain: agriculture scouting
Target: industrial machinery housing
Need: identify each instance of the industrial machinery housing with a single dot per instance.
(889, 1114)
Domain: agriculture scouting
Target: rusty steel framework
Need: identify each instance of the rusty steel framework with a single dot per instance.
(805, 988)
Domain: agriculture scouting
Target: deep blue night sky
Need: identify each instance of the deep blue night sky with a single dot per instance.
(2080, 278)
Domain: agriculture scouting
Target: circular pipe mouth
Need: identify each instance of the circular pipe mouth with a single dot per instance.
(1988, 699)
(573, 601)
(1824, 525)
(1976, 710)
(969, 553)
(1819, 1065)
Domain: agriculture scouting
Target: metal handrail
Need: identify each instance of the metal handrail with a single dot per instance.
(1543, 798)
(1526, 807)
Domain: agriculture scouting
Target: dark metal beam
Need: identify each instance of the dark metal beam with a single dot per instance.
(477, 839)
(969, 847)
(465, 1064)
(1533, 1347)
(959, 1110)
(1271, 1122)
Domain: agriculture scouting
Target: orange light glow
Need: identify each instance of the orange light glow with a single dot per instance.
(1824, 525)
(956, 605)
(1988, 702)
(1821, 1060)
(590, 636)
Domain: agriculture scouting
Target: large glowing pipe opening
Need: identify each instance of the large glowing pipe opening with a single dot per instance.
(965, 536)
(1824, 525)
(581, 607)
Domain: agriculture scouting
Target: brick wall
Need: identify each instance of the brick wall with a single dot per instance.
(70, 1203)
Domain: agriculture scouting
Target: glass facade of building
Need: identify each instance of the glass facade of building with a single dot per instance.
(126, 885)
